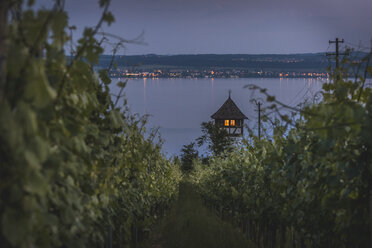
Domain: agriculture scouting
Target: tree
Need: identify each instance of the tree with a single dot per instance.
(189, 153)
(217, 139)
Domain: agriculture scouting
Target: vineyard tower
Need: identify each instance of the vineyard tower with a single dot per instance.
(230, 117)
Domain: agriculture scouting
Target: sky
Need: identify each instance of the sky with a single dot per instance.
(231, 26)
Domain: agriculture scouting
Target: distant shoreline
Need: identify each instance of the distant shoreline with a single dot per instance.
(307, 65)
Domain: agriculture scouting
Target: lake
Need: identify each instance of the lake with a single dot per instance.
(179, 106)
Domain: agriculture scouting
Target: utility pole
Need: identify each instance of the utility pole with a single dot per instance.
(258, 103)
(336, 54)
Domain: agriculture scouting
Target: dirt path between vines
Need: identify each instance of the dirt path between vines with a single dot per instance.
(191, 225)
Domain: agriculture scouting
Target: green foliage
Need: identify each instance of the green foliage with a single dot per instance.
(217, 139)
(309, 185)
(189, 154)
(72, 163)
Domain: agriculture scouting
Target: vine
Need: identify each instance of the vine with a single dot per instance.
(72, 163)
(307, 185)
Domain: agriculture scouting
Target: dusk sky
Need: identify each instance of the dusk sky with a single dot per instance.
(231, 26)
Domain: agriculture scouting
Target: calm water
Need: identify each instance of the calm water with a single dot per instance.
(179, 106)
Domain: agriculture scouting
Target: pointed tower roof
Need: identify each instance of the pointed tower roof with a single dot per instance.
(229, 110)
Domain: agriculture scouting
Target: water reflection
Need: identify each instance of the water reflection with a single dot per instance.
(144, 96)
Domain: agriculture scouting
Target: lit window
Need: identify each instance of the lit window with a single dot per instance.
(226, 123)
(232, 123)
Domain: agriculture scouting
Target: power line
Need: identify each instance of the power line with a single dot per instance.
(298, 93)
(359, 47)
(258, 103)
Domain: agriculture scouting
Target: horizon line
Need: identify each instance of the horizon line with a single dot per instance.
(181, 54)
